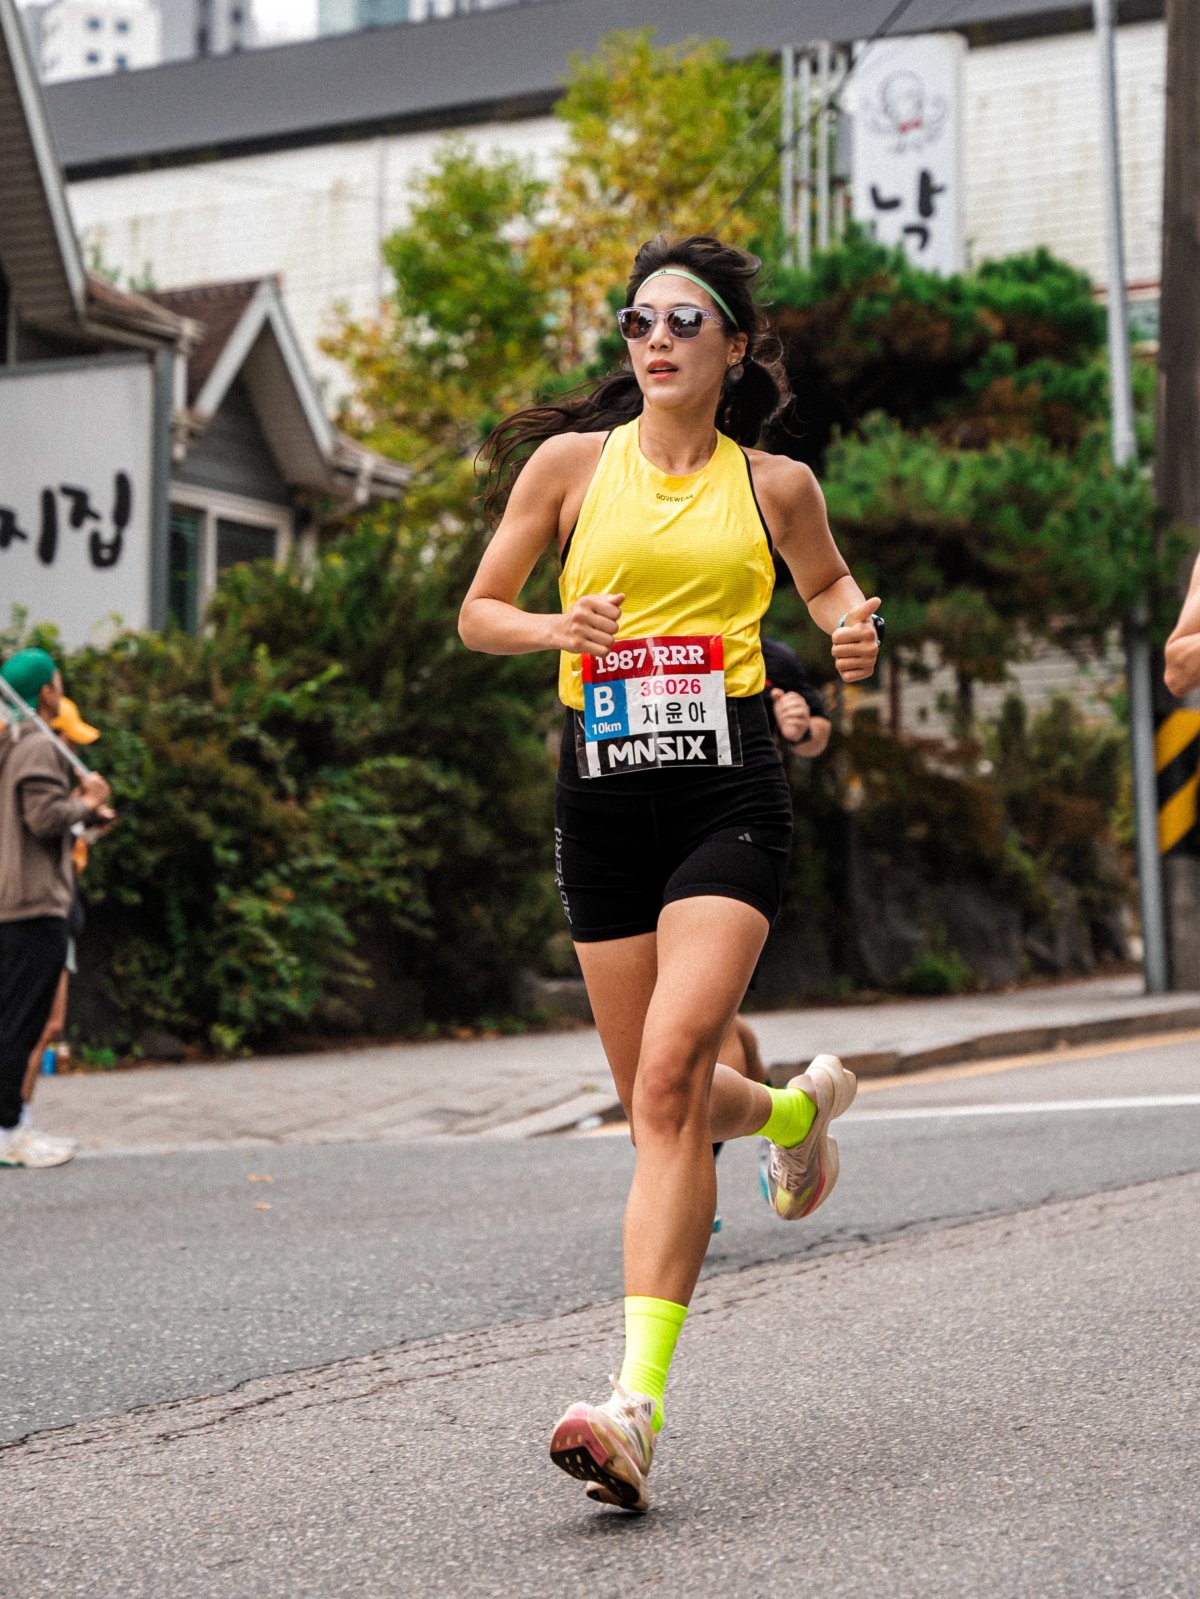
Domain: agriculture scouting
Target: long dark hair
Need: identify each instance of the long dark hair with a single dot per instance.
(746, 404)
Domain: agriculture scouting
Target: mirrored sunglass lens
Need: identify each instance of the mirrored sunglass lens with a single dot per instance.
(685, 321)
(634, 324)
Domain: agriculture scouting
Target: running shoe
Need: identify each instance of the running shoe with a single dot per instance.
(610, 1447)
(50, 1139)
(25, 1147)
(801, 1179)
(716, 1221)
(764, 1168)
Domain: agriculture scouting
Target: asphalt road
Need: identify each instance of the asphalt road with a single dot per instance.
(968, 1376)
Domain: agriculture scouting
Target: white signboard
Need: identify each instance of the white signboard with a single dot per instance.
(76, 496)
(907, 163)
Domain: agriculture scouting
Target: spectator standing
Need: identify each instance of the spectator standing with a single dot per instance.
(70, 725)
(39, 808)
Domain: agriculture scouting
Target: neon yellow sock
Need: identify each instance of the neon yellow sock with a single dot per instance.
(792, 1116)
(651, 1328)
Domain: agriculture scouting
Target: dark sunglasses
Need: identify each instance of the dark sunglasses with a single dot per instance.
(683, 321)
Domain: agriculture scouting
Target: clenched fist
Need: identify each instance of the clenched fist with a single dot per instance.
(793, 717)
(590, 626)
(856, 643)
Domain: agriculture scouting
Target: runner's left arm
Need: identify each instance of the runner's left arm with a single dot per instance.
(794, 507)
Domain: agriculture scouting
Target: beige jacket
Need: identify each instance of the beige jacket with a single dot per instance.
(37, 812)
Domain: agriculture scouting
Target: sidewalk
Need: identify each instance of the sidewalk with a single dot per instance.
(547, 1082)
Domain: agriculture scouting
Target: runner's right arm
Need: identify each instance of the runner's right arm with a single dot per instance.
(544, 504)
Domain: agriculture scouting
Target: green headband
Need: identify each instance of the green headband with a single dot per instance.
(681, 272)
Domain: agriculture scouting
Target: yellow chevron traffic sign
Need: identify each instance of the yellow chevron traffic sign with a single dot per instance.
(1177, 761)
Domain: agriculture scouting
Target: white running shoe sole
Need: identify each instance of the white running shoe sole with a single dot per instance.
(584, 1447)
(810, 1171)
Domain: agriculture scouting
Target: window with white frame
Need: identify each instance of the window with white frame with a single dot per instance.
(209, 533)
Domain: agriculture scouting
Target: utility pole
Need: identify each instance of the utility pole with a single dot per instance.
(1124, 448)
(1177, 458)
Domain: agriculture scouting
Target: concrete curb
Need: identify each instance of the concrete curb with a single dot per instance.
(606, 1108)
(1016, 1041)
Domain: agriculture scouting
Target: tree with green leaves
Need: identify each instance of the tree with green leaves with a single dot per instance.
(464, 336)
(658, 139)
(502, 279)
(960, 428)
(333, 817)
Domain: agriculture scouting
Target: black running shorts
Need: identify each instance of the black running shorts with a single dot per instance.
(627, 844)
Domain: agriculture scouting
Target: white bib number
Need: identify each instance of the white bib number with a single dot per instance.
(655, 702)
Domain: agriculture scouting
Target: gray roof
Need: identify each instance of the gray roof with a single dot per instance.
(501, 63)
(38, 248)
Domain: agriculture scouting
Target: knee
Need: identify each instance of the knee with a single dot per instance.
(671, 1093)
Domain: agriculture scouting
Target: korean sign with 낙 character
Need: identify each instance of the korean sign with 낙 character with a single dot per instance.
(76, 448)
(907, 165)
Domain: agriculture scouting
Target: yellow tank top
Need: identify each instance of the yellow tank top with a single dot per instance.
(690, 554)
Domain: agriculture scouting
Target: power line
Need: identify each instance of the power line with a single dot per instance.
(831, 104)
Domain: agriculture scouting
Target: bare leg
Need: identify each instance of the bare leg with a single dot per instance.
(732, 1052)
(739, 1050)
(676, 993)
(621, 975)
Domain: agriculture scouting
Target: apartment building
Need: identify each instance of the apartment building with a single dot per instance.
(86, 38)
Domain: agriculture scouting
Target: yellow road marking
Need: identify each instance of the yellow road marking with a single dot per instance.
(1012, 1063)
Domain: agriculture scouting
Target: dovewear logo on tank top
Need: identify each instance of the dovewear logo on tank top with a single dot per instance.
(675, 499)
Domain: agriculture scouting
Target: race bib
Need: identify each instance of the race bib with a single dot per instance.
(655, 702)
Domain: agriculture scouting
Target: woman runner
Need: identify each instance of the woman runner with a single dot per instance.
(673, 818)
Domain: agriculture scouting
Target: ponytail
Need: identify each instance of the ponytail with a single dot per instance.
(595, 407)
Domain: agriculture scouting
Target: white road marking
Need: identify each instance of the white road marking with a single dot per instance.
(1026, 1108)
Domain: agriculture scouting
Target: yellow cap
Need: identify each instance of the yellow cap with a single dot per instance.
(71, 725)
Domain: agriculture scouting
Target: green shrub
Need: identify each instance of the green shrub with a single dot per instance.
(936, 971)
(324, 788)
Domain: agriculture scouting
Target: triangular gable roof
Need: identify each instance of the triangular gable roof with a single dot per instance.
(38, 247)
(218, 308)
(247, 333)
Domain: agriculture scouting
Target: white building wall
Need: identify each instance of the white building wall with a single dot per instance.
(926, 708)
(83, 38)
(1034, 155)
(316, 215)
